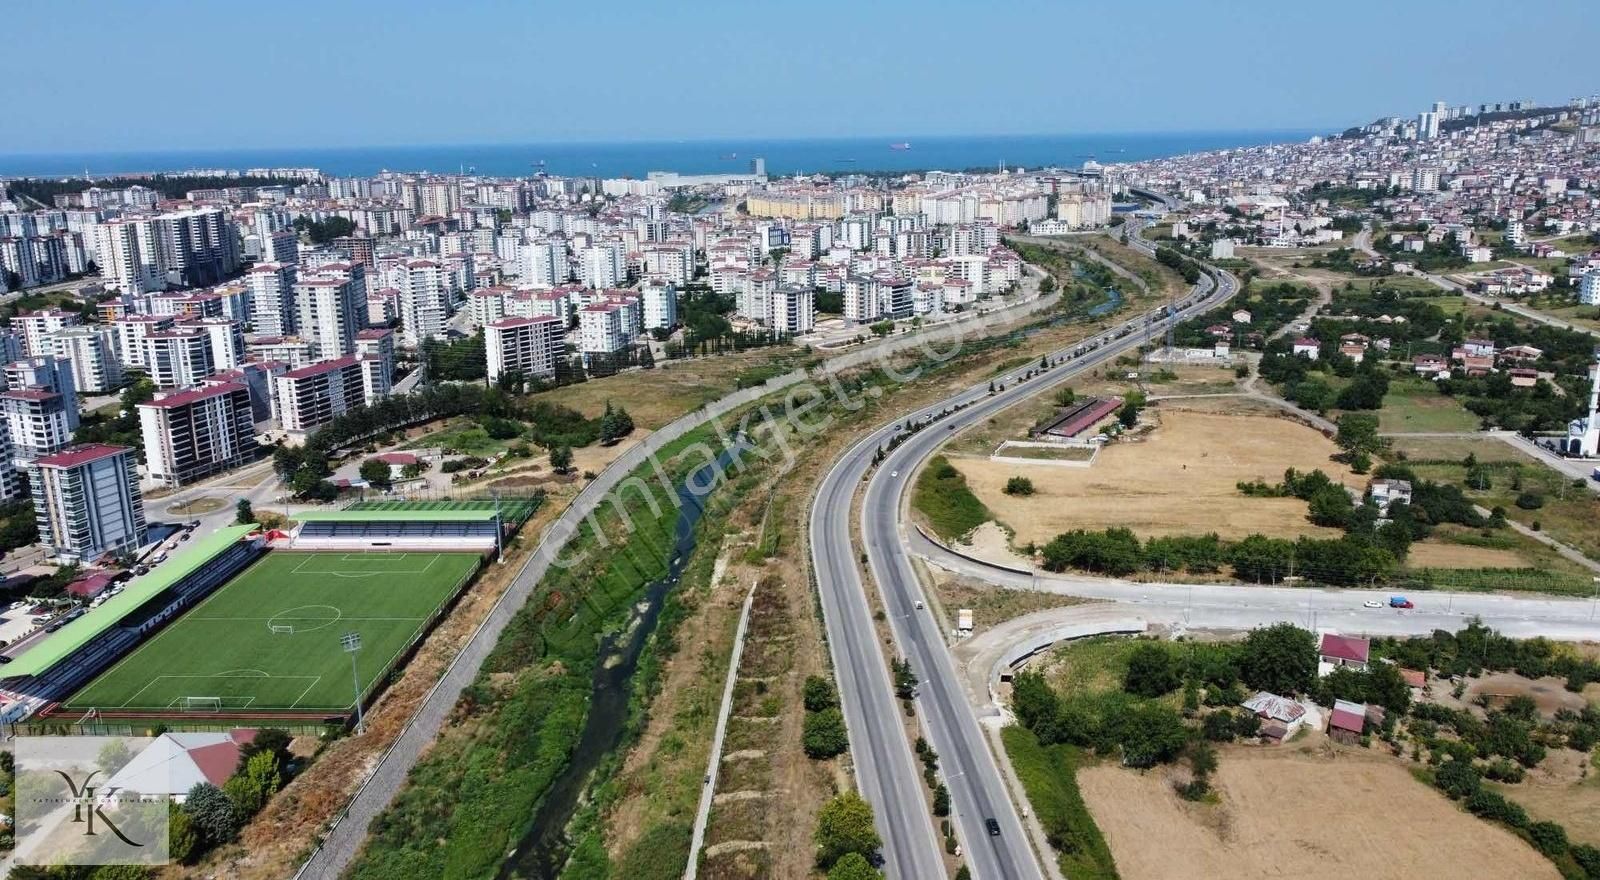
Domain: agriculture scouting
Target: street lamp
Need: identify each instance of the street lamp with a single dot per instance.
(351, 642)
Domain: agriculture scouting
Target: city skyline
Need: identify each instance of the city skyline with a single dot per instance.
(377, 75)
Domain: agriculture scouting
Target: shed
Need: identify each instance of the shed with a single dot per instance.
(1348, 721)
(1272, 707)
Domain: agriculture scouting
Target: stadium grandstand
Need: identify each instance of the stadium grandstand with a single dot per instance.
(414, 525)
(63, 661)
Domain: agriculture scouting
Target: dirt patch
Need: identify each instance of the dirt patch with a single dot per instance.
(1427, 554)
(1181, 478)
(1549, 694)
(1346, 814)
(992, 543)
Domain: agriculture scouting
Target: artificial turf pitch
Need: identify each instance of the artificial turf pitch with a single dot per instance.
(269, 639)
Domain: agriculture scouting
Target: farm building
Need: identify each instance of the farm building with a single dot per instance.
(1271, 707)
(1081, 416)
(1348, 721)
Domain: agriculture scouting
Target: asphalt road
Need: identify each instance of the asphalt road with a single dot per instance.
(886, 768)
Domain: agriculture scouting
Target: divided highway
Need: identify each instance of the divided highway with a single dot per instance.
(886, 770)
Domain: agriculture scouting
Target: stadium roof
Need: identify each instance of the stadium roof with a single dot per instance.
(411, 515)
(59, 645)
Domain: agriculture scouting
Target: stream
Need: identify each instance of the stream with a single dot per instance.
(544, 848)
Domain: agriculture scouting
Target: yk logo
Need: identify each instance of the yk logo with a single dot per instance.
(89, 811)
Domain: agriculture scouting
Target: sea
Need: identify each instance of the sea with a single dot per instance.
(637, 158)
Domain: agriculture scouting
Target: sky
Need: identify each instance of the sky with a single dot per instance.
(92, 75)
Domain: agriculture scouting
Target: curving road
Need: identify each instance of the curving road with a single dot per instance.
(886, 768)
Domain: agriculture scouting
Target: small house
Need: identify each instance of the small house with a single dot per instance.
(1337, 650)
(1270, 707)
(1241, 316)
(177, 762)
(1430, 366)
(1387, 492)
(1522, 354)
(1353, 351)
(1307, 347)
(1221, 331)
(1523, 377)
(1347, 722)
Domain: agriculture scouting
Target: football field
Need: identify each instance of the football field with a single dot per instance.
(270, 639)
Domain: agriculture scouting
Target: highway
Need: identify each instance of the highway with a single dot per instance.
(886, 768)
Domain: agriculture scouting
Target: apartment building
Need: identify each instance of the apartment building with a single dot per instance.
(327, 314)
(528, 346)
(313, 395)
(375, 348)
(35, 326)
(195, 433)
(794, 310)
(92, 352)
(87, 502)
(272, 310)
(660, 300)
(178, 357)
(424, 301)
(39, 421)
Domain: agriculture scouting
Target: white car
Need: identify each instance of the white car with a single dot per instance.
(1372, 603)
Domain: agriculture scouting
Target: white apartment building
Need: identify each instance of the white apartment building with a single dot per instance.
(92, 351)
(487, 304)
(131, 332)
(544, 264)
(39, 421)
(179, 357)
(328, 312)
(272, 298)
(660, 300)
(87, 502)
(600, 329)
(754, 300)
(195, 433)
(375, 348)
(860, 299)
(529, 346)
(1589, 288)
(424, 301)
(35, 326)
(794, 310)
(127, 259)
(601, 265)
(313, 395)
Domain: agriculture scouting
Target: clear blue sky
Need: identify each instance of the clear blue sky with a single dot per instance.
(87, 75)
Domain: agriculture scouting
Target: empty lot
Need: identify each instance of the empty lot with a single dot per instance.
(1180, 479)
(1284, 813)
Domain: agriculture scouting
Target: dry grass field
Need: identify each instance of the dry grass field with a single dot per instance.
(1181, 478)
(1284, 813)
(1431, 555)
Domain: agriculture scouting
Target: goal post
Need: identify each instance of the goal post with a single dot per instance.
(281, 628)
(202, 704)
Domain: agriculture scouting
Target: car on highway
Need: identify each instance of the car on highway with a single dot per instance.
(993, 826)
(1372, 603)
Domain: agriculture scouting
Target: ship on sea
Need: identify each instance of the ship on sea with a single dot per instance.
(900, 146)
(727, 156)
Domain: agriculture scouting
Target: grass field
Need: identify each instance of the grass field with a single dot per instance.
(270, 638)
(941, 495)
(1415, 405)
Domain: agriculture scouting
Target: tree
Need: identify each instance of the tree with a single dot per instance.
(941, 800)
(615, 424)
(1019, 486)
(1218, 726)
(268, 739)
(824, 735)
(113, 755)
(215, 817)
(844, 826)
(853, 866)
(1152, 672)
(1261, 559)
(1358, 432)
(183, 840)
(251, 788)
(561, 459)
(1281, 658)
(1047, 284)
(1331, 506)
(1034, 701)
(244, 514)
(819, 694)
(377, 473)
(1149, 734)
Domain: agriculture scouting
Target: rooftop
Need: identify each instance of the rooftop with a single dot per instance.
(73, 456)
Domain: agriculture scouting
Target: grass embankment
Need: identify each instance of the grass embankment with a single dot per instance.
(941, 495)
(1049, 775)
(511, 733)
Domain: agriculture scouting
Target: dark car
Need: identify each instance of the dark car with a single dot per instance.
(993, 826)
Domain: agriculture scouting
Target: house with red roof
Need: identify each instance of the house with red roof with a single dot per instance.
(1337, 650)
(1347, 722)
(177, 762)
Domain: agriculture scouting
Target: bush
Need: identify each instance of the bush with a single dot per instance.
(819, 694)
(1530, 501)
(1152, 672)
(1219, 726)
(1458, 779)
(1548, 838)
(1019, 486)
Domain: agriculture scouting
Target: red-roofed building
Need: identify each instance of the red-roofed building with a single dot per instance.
(88, 502)
(194, 433)
(1348, 721)
(1339, 650)
(313, 395)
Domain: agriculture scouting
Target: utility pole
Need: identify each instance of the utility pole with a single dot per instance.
(351, 642)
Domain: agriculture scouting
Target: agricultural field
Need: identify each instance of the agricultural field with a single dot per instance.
(1179, 479)
(269, 640)
(1273, 809)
